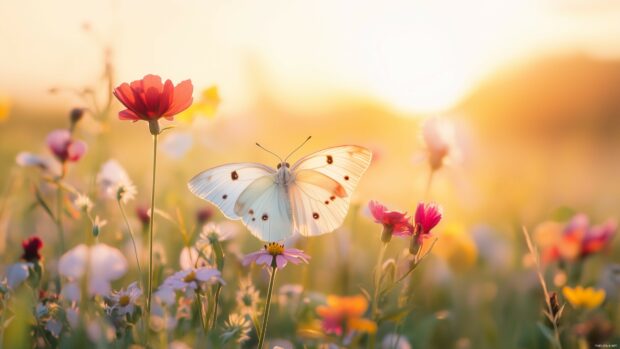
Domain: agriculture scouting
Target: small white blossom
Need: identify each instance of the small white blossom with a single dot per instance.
(83, 202)
(115, 182)
(236, 328)
(191, 279)
(124, 301)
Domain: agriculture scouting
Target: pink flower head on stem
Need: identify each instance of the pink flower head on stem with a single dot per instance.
(149, 99)
(276, 255)
(64, 147)
(394, 223)
(427, 216)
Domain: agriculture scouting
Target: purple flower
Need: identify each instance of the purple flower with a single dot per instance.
(275, 255)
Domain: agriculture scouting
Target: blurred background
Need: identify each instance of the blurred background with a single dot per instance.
(532, 89)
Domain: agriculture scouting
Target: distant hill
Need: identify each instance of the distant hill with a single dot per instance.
(552, 96)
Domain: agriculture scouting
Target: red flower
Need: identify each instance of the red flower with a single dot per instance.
(64, 147)
(393, 222)
(427, 216)
(31, 248)
(148, 99)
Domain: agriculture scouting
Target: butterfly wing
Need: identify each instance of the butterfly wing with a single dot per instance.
(323, 184)
(266, 209)
(223, 185)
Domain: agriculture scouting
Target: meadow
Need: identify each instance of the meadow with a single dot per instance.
(488, 224)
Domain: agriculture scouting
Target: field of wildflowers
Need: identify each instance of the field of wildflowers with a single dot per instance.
(144, 214)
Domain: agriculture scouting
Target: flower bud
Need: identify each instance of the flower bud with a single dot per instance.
(76, 115)
(386, 235)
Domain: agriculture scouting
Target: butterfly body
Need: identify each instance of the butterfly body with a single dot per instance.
(311, 197)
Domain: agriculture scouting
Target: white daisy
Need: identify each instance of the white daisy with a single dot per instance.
(115, 182)
(124, 301)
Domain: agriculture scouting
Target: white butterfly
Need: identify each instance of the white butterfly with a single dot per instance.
(310, 198)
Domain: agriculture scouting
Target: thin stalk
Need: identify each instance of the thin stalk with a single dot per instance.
(215, 301)
(377, 281)
(263, 329)
(427, 191)
(133, 241)
(201, 311)
(59, 209)
(152, 217)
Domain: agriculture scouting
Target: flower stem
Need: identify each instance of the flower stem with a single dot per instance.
(59, 209)
(133, 241)
(152, 217)
(263, 329)
(377, 281)
(427, 191)
(215, 301)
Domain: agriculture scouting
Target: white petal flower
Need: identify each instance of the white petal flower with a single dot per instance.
(124, 301)
(16, 274)
(83, 202)
(165, 294)
(105, 265)
(192, 278)
(45, 163)
(115, 182)
(212, 231)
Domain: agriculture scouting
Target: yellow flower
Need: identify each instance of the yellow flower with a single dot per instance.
(456, 247)
(205, 106)
(580, 297)
(5, 107)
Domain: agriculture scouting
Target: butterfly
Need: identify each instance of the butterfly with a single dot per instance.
(311, 197)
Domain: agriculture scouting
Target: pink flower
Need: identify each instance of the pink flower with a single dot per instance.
(64, 147)
(394, 223)
(149, 99)
(427, 216)
(275, 255)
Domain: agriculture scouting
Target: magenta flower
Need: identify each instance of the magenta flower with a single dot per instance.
(276, 255)
(427, 216)
(394, 223)
(64, 147)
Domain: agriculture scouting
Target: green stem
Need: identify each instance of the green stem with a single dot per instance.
(377, 282)
(201, 311)
(263, 329)
(215, 301)
(59, 209)
(152, 217)
(133, 241)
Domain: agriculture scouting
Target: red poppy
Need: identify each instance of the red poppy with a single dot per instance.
(149, 99)
(31, 247)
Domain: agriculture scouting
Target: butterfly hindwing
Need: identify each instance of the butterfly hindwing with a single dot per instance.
(323, 184)
(223, 185)
(266, 210)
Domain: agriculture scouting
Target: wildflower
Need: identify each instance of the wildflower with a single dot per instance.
(191, 279)
(212, 232)
(247, 297)
(191, 257)
(206, 105)
(16, 274)
(143, 215)
(427, 216)
(395, 341)
(104, 264)
(32, 247)
(98, 223)
(439, 138)
(276, 255)
(576, 240)
(115, 182)
(149, 99)
(588, 298)
(344, 314)
(394, 223)
(83, 203)
(203, 215)
(64, 147)
(45, 163)
(124, 301)
(457, 248)
(236, 328)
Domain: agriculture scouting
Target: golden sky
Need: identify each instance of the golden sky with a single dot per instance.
(416, 56)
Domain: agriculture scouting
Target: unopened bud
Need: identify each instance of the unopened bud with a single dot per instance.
(76, 115)
(386, 235)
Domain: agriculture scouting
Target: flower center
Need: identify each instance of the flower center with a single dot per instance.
(190, 277)
(274, 248)
(123, 300)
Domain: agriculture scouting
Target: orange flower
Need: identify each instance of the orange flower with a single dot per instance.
(344, 314)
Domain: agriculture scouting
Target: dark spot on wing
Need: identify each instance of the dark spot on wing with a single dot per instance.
(253, 219)
(330, 159)
(224, 196)
(315, 215)
(332, 198)
(251, 212)
(326, 202)
(346, 178)
(265, 217)
(234, 175)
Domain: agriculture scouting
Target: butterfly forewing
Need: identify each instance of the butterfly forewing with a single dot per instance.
(322, 187)
(223, 185)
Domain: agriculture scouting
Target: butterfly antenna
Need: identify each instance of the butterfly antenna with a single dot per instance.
(269, 151)
(296, 149)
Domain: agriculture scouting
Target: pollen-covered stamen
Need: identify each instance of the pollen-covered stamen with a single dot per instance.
(274, 248)
(190, 277)
(124, 300)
